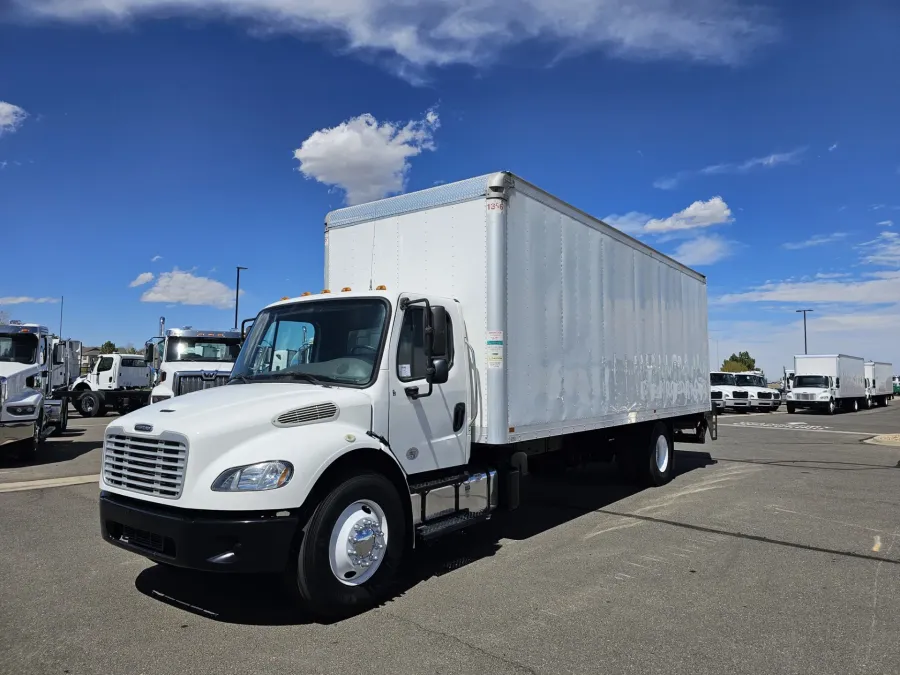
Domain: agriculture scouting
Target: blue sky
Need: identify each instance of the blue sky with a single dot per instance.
(166, 142)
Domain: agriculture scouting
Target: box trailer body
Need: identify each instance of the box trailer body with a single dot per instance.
(464, 333)
(879, 384)
(573, 324)
(828, 382)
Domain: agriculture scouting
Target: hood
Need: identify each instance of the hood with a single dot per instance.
(726, 388)
(240, 408)
(8, 368)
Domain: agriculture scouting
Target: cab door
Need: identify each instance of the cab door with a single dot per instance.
(428, 432)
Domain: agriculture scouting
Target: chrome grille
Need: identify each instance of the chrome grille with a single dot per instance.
(741, 394)
(186, 383)
(307, 415)
(765, 395)
(153, 466)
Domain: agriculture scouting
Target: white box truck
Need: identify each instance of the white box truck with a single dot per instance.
(762, 397)
(879, 385)
(726, 394)
(828, 383)
(463, 329)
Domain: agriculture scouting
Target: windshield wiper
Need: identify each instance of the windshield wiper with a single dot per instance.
(241, 379)
(289, 374)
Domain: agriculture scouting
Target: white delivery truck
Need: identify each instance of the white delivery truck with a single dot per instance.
(726, 394)
(879, 387)
(762, 397)
(463, 329)
(36, 370)
(827, 382)
(188, 360)
(119, 382)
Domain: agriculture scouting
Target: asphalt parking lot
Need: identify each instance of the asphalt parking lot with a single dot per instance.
(775, 550)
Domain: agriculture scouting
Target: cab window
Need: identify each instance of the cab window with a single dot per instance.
(411, 361)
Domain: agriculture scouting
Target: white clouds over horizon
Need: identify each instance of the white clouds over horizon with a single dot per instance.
(26, 300)
(766, 162)
(142, 279)
(11, 118)
(184, 288)
(429, 33)
(365, 158)
(815, 240)
(703, 250)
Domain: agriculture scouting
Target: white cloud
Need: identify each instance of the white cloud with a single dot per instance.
(185, 288)
(26, 300)
(768, 161)
(699, 214)
(833, 147)
(631, 223)
(425, 33)
(11, 117)
(156, 258)
(704, 250)
(885, 223)
(883, 250)
(815, 240)
(832, 275)
(367, 159)
(141, 279)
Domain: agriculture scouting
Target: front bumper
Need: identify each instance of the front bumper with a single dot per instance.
(13, 432)
(808, 405)
(737, 403)
(199, 540)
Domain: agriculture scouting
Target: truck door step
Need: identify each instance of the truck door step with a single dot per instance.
(455, 521)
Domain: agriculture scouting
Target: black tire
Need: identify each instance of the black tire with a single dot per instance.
(832, 408)
(89, 405)
(31, 449)
(637, 457)
(854, 407)
(870, 403)
(791, 409)
(316, 585)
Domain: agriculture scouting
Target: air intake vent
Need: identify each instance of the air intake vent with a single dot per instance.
(308, 415)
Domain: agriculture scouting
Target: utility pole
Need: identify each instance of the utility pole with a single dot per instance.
(62, 300)
(804, 311)
(237, 291)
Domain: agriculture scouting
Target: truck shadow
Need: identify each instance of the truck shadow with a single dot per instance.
(551, 498)
(63, 448)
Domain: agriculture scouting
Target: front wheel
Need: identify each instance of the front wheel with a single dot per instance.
(790, 408)
(31, 448)
(831, 407)
(869, 402)
(352, 547)
(855, 405)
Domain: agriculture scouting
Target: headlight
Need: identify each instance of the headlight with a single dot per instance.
(790, 396)
(823, 397)
(21, 410)
(4, 390)
(263, 476)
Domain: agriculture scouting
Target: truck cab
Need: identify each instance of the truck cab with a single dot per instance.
(31, 362)
(726, 394)
(187, 360)
(761, 396)
(116, 381)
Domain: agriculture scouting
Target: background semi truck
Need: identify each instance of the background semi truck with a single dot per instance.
(879, 385)
(119, 382)
(36, 370)
(828, 383)
(464, 330)
(187, 360)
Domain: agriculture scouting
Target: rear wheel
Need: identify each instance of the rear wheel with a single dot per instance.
(352, 547)
(63, 419)
(648, 459)
(855, 405)
(89, 404)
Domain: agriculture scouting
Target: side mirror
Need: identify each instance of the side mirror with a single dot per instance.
(59, 355)
(438, 331)
(441, 372)
(244, 327)
(148, 352)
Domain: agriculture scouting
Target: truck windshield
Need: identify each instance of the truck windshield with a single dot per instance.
(746, 380)
(328, 341)
(815, 381)
(202, 349)
(18, 348)
(721, 378)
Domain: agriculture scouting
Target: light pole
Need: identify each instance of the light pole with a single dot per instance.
(237, 292)
(804, 311)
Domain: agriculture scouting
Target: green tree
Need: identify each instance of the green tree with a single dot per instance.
(739, 362)
(108, 347)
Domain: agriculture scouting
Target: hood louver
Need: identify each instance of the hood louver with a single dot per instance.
(307, 415)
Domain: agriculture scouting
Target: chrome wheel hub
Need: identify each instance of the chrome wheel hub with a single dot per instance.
(662, 454)
(358, 543)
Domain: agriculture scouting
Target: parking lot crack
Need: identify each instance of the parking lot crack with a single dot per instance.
(459, 640)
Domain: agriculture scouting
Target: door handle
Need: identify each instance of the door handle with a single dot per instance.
(459, 416)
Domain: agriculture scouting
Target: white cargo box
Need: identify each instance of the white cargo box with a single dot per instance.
(582, 325)
(880, 376)
(848, 372)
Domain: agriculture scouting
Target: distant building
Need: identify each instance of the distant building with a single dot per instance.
(88, 356)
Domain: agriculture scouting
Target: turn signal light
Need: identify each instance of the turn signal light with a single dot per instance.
(326, 290)
(304, 294)
(287, 297)
(345, 289)
(381, 288)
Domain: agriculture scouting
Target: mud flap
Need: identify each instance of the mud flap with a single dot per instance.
(697, 434)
